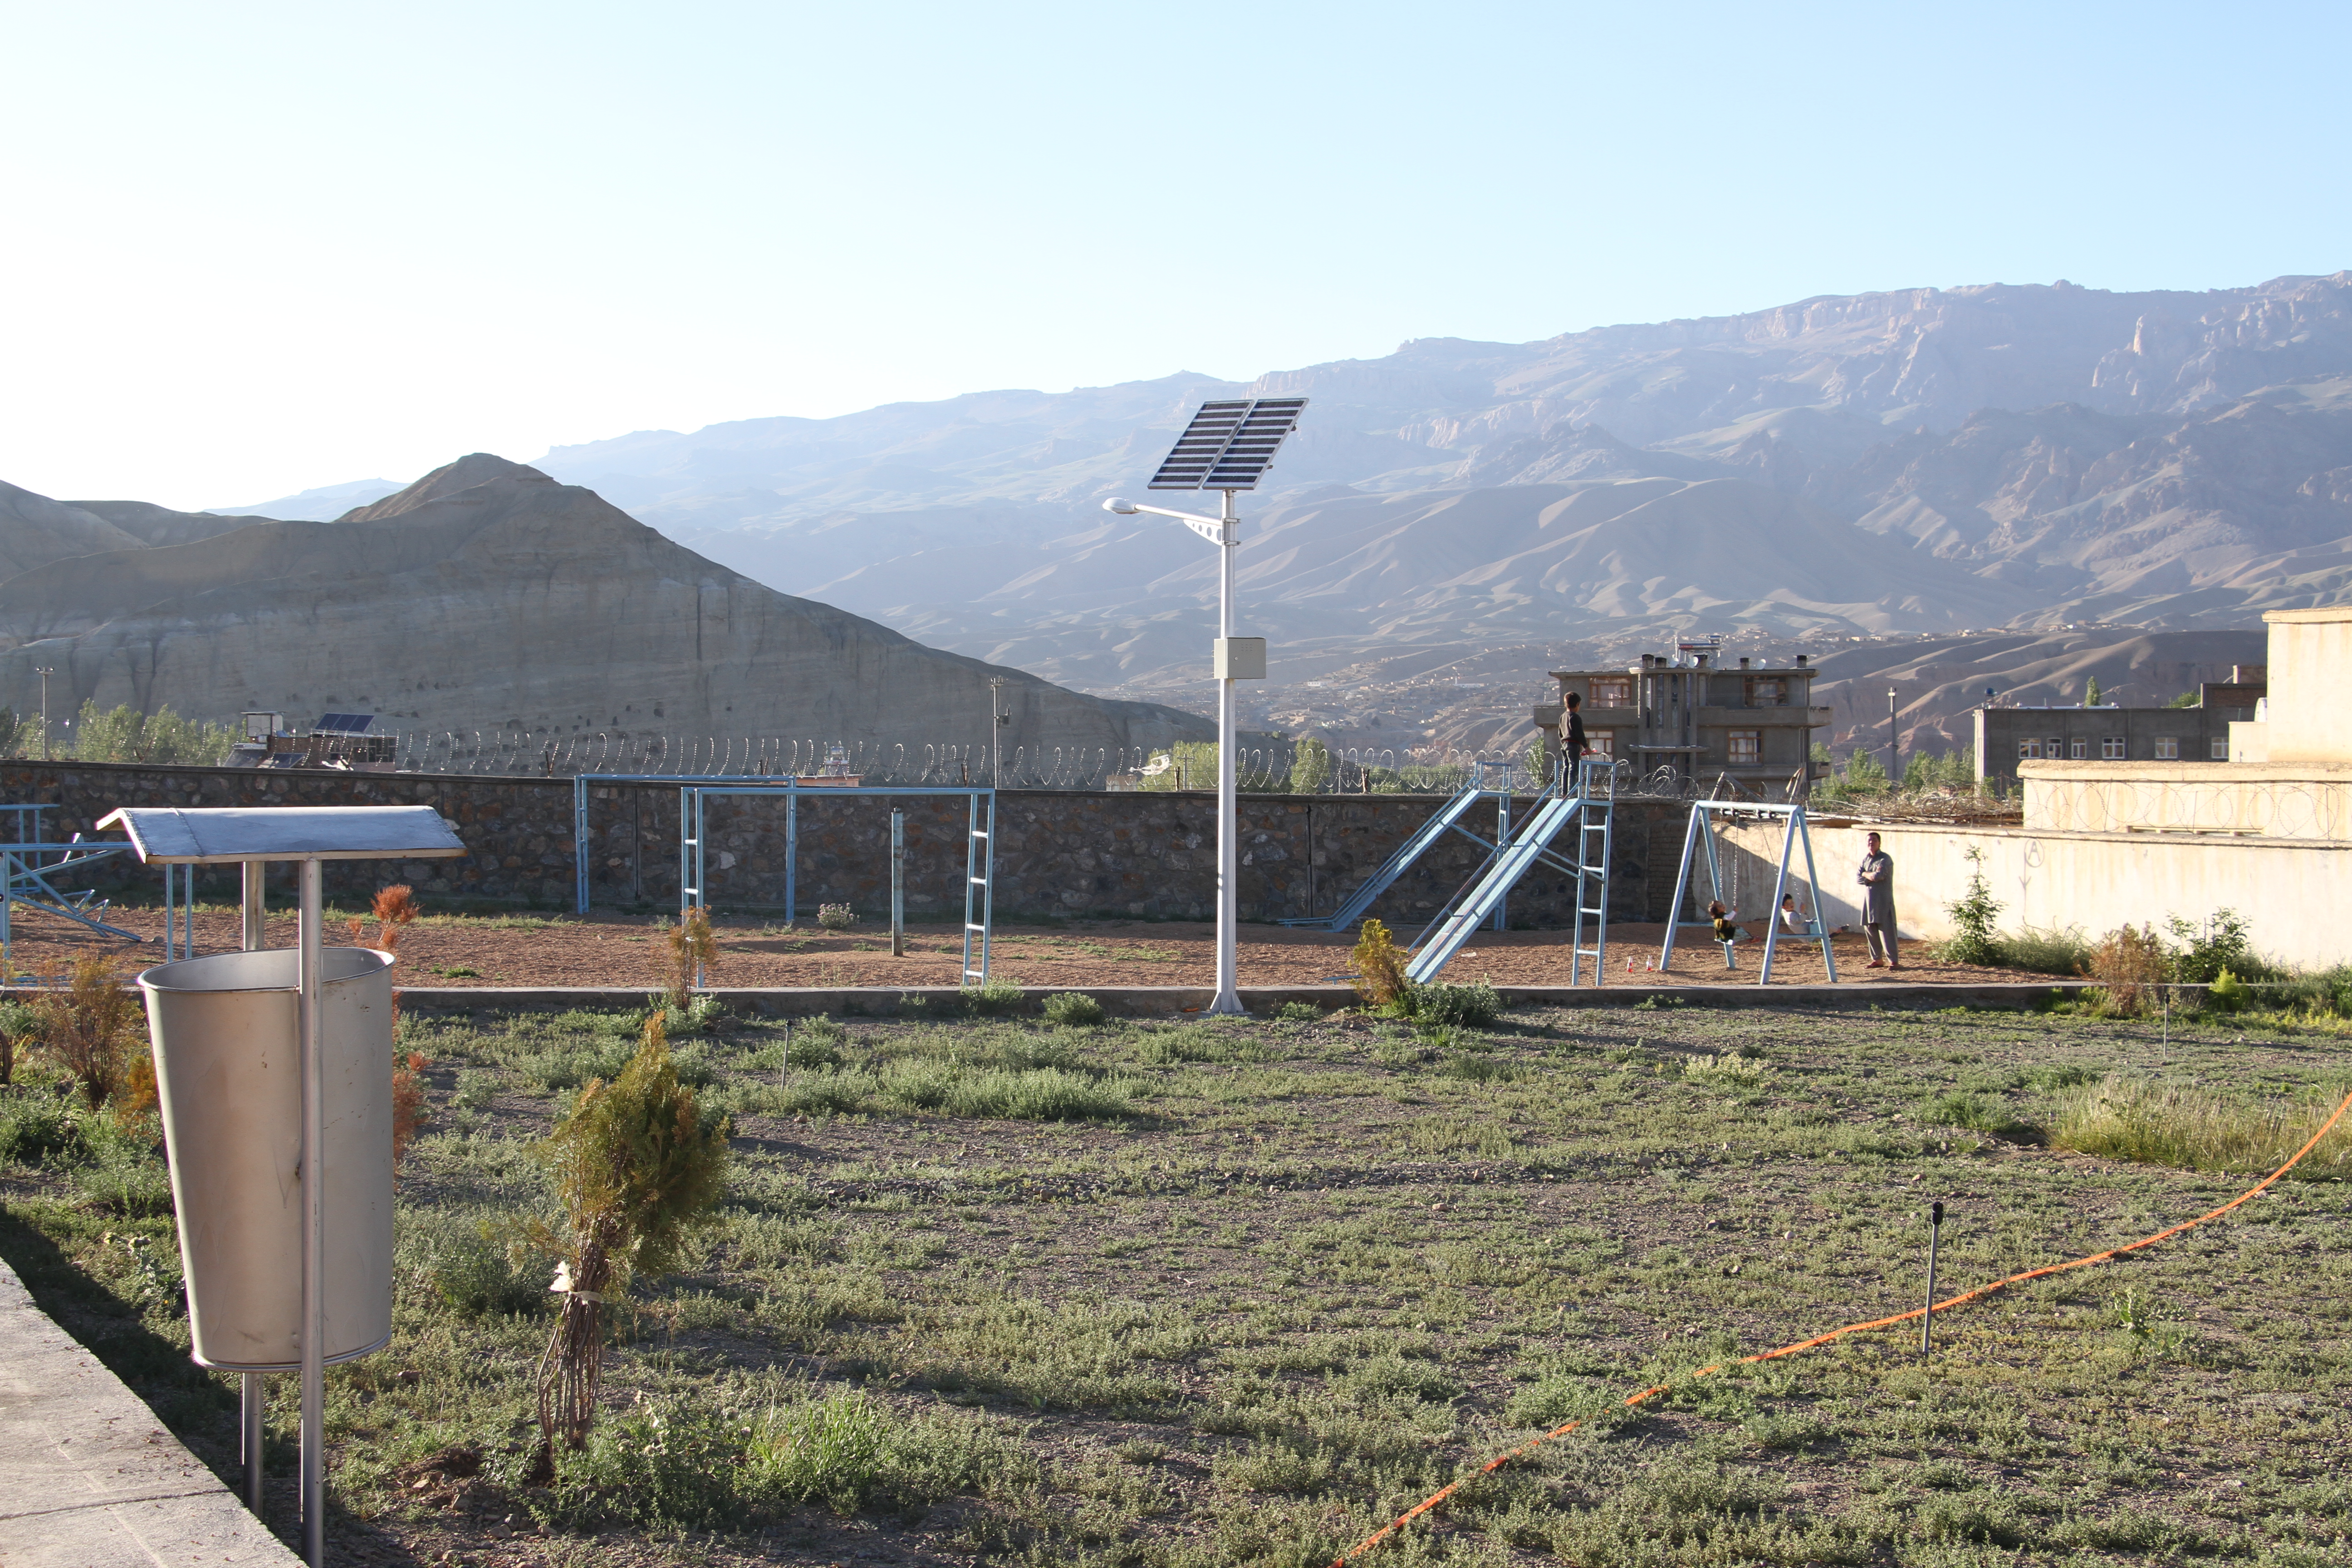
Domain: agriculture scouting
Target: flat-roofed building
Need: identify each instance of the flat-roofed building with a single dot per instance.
(2006, 736)
(1700, 718)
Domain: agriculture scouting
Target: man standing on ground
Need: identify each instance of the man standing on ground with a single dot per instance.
(1878, 879)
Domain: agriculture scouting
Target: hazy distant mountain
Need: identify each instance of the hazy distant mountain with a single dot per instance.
(486, 597)
(1921, 461)
(323, 504)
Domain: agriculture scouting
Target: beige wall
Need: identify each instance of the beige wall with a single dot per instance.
(2287, 891)
(2306, 719)
(2311, 800)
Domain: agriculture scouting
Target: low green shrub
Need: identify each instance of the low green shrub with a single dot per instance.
(1977, 1113)
(1034, 1094)
(2052, 951)
(1072, 1010)
(2204, 952)
(475, 1264)
(1299, 1013)
(2227, 992)
(125, 1173)
(835, 1450)
(994, 997)
(1473, 1006)
(40, 1127)
(719, 1460)
(817, 1044)
(663, 1463)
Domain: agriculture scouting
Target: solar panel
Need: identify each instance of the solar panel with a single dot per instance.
(1229, 444)
(344, 723)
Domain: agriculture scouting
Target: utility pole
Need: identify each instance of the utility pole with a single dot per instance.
(1893, 744)
(45, 671)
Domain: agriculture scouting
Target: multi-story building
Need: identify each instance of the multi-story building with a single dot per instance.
(2006, 736)
(1752, 723)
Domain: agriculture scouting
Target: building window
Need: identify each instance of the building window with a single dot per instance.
(1613, 693)
(2078, 750)
(1747, 746)
(2111, 749)
(2220, 748)
(1767, 691)
(2054, 749)
(2029, 751)
(1604, 743)
(2168, 748)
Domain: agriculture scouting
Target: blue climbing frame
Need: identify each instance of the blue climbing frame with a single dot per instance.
(1589, 799)
(1447, 819)
(980, 850)
(1701, 833)
(28, 861)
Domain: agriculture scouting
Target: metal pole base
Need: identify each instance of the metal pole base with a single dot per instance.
(253, 1402)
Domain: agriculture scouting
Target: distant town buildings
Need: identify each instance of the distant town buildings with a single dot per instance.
(2006, 736)
(1699, 720)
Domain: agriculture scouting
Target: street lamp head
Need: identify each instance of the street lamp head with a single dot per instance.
(1120, 505)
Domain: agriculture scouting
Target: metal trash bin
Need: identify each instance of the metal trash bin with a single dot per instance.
(228, 1067)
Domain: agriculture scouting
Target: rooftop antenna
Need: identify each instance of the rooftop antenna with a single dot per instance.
(1228, 447)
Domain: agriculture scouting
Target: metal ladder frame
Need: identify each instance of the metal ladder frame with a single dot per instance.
(24, 872)
(1701, 830)
(1592, 880)
(979, 881)
(980, 863)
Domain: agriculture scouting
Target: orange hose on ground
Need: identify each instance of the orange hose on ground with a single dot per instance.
(1499, 1460)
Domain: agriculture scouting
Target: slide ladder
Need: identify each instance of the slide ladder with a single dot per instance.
(1517, 858)
(1593, 841)
(1448, 817)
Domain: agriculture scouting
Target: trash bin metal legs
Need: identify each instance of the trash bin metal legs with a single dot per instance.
(314, 1217)
(252, 904)
(254, 1397)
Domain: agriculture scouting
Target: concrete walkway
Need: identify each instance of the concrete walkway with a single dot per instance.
(89, 1477)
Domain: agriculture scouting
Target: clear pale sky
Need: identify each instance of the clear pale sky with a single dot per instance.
(252, 248)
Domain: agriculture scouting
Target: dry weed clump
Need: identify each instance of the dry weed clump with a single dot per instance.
(2126, 1118)
(408, 1109)
(1380, 966)
(93, 1028)
(2131, 964)
(692, 950)
(393, 908)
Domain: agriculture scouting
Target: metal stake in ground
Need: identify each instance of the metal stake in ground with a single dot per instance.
(897, 882)
(1927, 1321)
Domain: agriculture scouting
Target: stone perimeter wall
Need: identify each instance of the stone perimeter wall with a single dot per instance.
(1059, 853)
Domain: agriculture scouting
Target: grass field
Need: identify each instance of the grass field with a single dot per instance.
(1238, 1292)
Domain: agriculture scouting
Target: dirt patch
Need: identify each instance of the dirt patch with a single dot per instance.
(606, 949)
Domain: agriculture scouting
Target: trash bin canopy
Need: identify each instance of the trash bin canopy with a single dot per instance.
(168, 835)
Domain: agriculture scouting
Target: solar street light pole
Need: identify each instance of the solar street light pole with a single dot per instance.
(1224, 531)
(1228, 998)
(1226, 447)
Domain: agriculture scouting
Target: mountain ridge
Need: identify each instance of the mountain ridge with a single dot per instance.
(488, 596)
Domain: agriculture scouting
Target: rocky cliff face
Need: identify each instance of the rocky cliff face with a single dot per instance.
(1917, 460)
(486, 596)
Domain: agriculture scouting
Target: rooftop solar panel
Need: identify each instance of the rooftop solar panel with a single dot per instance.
(345, 723)
(1229, 444)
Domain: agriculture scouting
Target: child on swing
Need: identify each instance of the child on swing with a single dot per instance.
(1727, 931)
